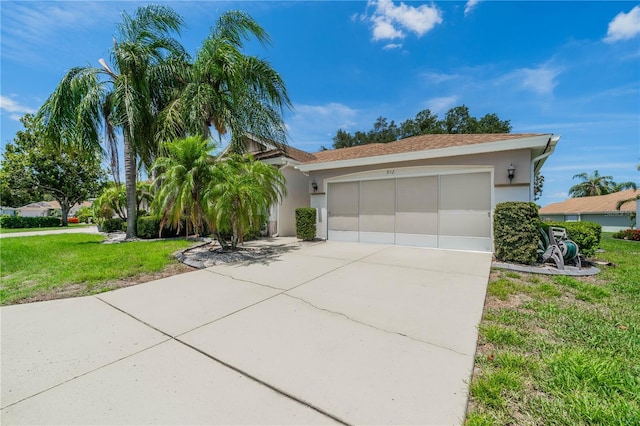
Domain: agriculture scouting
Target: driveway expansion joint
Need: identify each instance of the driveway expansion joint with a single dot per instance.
(424, 342)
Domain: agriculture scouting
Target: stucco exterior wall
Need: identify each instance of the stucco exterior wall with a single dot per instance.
(297, 196)
(500, 161)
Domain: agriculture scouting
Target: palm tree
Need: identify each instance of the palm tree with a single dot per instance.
(182, 177)
(124, 97)
(224, 88)
(591, 185)
(240, 194)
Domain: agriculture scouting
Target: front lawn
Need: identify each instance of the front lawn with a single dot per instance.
(561, 350)
(62, 265)
(54, 228)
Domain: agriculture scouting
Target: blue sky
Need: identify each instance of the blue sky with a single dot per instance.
(569, 68)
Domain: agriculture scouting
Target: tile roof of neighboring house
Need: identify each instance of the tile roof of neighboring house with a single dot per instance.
(595, 204)
(412, 144)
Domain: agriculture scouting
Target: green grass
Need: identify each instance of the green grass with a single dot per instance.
(561, 350)
(55, 228)
(31, 267)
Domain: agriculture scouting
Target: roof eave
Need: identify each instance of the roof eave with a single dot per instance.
(479, 148)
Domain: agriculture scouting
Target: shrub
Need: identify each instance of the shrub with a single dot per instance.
(585, 234)
(149, 226)
(628, 234)
(306, 223)
(14, 222)
(515, 227)
(112, 225)
(84, 214)
(73, 220)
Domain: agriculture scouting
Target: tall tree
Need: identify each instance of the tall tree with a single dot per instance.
(229, 90)
(597, 184)
(124, 97)
(456, 120)
(32, 165)
(591, 185)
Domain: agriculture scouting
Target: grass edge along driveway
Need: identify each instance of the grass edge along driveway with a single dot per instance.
(561, 350)
(76, 264)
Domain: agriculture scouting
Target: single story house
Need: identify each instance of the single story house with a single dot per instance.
(7, 211)
(48, 208)
(427, 190)
(602, 209)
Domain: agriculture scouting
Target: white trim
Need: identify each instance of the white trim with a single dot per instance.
(405, 172)
(478, 148)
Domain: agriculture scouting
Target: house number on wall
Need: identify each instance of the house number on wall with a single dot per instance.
(390, 172)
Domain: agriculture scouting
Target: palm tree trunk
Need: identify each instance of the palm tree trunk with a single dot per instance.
(130, 178)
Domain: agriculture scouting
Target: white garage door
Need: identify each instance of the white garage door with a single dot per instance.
(446, 211)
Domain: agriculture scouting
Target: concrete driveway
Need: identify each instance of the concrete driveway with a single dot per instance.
(328, 333)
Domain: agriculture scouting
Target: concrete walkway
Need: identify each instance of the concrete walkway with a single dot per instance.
(327, 333)
(73, 230)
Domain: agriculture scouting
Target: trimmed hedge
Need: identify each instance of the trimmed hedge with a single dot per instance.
(306, 223)
(585, 234)
(112, 225)
(14, 222)
(515, 229)
(149, 226)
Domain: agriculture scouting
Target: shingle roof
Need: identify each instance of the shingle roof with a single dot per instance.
(412, 144)
(287, 151)
(595, 204)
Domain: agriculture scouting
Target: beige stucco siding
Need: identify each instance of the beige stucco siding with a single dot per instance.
(297, 196)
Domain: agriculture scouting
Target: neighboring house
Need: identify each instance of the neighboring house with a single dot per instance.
(7, 211)
(41, 208)
(48, 208)
(600, 209)
(428, 190)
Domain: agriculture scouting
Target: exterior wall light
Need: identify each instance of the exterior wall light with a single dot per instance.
(511, 171)
(314, 186)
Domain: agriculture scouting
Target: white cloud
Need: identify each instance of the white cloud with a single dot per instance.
(471, 4)
(390, 21)
(383, 30)
(441, 104)
(14, 108)
(392, 46)
(437, 78)
(541, 80)
(30, 27)
(624, 26)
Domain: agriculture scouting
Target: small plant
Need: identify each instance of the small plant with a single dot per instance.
(306, 223)
(84, 214)
(628, 234)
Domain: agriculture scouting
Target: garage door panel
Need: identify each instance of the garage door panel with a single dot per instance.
(377, 223)
(467, 224)
(469, 191)
(419, 194)
(343, 222)
(378, 196)
(417, 223)
(343, 198)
